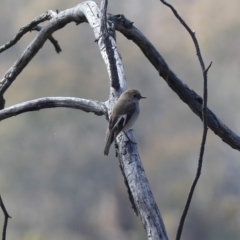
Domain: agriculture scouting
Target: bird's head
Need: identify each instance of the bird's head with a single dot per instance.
(133, 94)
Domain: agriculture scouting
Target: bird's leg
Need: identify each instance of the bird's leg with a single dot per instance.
(129, 140)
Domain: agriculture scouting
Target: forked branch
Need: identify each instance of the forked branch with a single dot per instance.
(6, 217)
(29, 27)
(204, 118)
(56, 22)
(128, 154)
(51, 39)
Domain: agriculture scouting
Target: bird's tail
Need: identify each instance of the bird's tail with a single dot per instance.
(109, 141)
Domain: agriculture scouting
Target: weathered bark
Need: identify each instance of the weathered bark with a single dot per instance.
(131, 166)
(128, 155)
(85, 105)
(187, 95)
(130, 162)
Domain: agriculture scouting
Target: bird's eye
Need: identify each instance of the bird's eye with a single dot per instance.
(134, 95)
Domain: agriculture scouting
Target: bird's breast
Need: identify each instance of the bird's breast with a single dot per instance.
(132, 119)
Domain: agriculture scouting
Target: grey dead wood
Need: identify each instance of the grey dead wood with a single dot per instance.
(85, 105)
(187, 95)
(128, 155)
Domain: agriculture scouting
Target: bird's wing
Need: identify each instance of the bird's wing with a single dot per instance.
(123, 115)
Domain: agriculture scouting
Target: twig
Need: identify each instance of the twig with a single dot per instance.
(85, 105)
(58, 21)
(204, 118)
(43, 17)
(51, 39)
(6, 217)
(198, 173)
(192, 34)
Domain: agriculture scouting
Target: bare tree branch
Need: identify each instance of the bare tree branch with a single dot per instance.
(44, 17)
(56, 22)
(6, 217)
(109, 48)
(114, 80)
(141, 192)
(51, 39)
(200, 161)
(94, 20)
(192, 99)
(191, 33)
(204, 117)
(85, 105)
(128, 155)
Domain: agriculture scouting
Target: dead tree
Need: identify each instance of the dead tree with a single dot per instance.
(104, 26)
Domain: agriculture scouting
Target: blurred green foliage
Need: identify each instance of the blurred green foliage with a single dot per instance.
(54, 179)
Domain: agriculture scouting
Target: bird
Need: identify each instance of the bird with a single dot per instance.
(124, 114)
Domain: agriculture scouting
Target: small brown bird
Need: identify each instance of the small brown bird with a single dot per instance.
(124, 115)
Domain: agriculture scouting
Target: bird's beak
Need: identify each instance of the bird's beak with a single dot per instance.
(142, 97)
